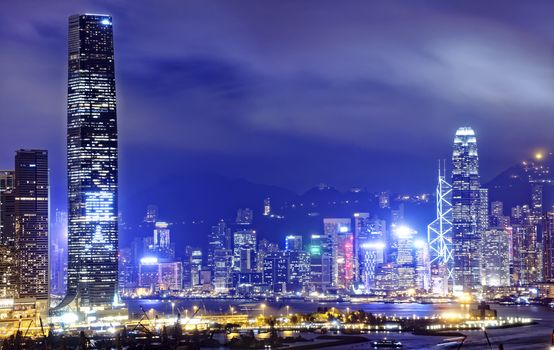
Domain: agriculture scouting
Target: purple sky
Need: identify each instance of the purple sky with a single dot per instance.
(292, 93)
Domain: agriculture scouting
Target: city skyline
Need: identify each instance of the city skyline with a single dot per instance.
(216, 77)
(229, 256)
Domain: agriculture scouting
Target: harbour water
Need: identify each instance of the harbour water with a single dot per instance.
(537, 336)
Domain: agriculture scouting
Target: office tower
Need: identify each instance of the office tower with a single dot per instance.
(405, 256)
(245, 216)
(495, 258)
(466, 205)
(332, 229)
(345, 260)
(151, 214)
(483, 216)
(223, 266)
(369, 248)
(7, 202)
(264, 248)
(439, 237)
(31, 224)
(320, 263)
(293, 243)
(276, 271)
(362, 233)
(497, 218)
(267, 206)
(219, 238)
(8, 273)
(195, 266)
(299, 270)
(244, 251)
(422, 266)
(162, 235)
(548, 247)
(92, 162)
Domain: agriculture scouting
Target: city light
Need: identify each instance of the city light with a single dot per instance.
(149, 260)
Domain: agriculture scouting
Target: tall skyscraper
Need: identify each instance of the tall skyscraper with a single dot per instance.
(466, 205)
(92, 161)
(548, 247)
(31, 228)
(334, 229)
(495, 258)
(7, 202)
(8, 273)
(439, 237)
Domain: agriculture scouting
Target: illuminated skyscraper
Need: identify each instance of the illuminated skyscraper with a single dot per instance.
(333, 229)
(495, 258)
(31, 224)
(8, 281)
(293, 243)
(439, 236)
(92, 161)
(548, 247)
(466, 206)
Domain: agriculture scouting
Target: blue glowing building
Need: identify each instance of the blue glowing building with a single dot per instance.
(92, 162)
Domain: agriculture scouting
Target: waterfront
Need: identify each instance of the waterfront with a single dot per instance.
(535, 336)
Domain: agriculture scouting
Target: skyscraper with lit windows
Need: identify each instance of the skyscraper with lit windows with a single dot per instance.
(92, 161)
(466, 205)
(31, 224)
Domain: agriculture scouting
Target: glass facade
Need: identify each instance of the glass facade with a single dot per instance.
(92, 161)
(465, 211)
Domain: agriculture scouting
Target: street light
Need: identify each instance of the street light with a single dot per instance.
(288, 311)
(232, 310)
(263, 309)
(172, 309)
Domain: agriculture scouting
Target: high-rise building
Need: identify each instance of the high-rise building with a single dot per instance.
(320, 263)
(222, 270)
(276, 271)
(299, 270)
(369, 248)
(7, 207)
(495, 258)
(31, 227)
(219, 238)
(439, 237)
(195, 266)
(293, 243)
(265, 248)
(245, 216)
(333, 228)
(92, 162)
(345, 260)
(244, 250)
(162, 236)
(466, 206)
(548, 247)
(8, 274)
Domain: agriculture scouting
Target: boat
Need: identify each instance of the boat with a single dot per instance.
(386, 344)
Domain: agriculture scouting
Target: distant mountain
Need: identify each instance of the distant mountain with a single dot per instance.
(513, 186)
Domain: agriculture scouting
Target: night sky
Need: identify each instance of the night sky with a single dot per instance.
(290, 93)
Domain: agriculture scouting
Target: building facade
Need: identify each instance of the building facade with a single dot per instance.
(466, 205)
(92, 160)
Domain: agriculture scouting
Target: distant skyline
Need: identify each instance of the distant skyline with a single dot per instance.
(290, 93)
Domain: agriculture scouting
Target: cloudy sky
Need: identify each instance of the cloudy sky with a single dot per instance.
(291, 93)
